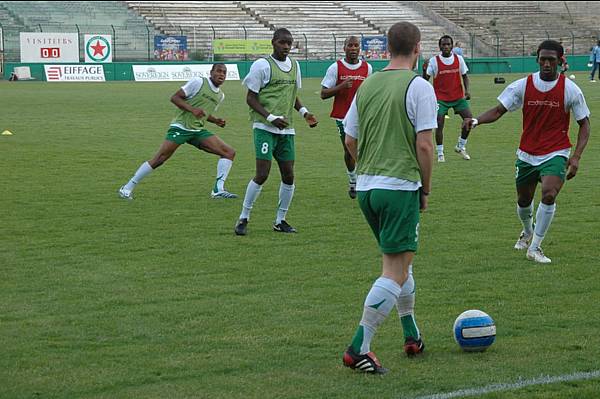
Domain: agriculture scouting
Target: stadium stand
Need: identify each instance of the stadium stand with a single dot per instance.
(519, 26)
(202, 21)
(131, 33)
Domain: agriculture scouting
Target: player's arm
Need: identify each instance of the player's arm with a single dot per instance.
(424, 70)
(308, 117)
(217, 121)
(252, 101)
(467, 85)
(489, 116)
(424, 147)
(582, 140)
(327, 93)
(351, 145)
(179, 99)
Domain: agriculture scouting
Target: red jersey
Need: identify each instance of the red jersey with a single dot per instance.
(545, 122)
(343, 98)
(447, 83)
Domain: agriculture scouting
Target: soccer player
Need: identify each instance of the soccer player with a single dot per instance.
(547, 99)
(272, 84)
(197, 100)
(447, 70)
(389, 131)
(341, 81)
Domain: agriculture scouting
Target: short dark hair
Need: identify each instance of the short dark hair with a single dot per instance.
(281, 32)
(446, 37)
(216, 65)
(552, 45)
(402, 38)
(352, 37)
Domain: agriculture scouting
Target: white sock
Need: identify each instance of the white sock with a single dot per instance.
(526, 217)
(379, 302)
(223, 168)
(286, 193)
(440, 149)
(462, 142)
(144, 170)
(252, 192)
(543, 218)
(351, 175)
(406, 307)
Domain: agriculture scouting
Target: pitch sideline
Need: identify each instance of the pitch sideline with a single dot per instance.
(541, 380)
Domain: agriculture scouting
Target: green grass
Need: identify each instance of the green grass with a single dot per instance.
(156, 298)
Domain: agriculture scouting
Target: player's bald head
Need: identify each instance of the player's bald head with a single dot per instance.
(403, 38)
(351, 39)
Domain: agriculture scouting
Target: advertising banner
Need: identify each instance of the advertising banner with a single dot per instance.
(374, 47)
(98, 48)
(49, 47)
(241, 46)
(74, 73)
(170, 73)
(170, 48)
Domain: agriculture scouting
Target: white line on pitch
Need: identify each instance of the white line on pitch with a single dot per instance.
(545, 379)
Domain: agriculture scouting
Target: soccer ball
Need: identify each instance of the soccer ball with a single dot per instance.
(474, 331)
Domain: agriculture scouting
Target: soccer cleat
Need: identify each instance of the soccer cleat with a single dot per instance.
(125, 194)
(462, 152)
(523, 241)
(283, 227)
(537, 255)
(223, 194)
(241, 226)
(593, 81)
(352, 190)
(441, 158)
(413, 347)
(366, 363)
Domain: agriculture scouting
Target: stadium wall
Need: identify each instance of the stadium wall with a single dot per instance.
(316, 69)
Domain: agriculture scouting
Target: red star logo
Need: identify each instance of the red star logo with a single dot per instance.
(98, 49)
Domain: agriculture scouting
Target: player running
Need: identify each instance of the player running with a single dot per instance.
(544, 155)
(341, 81)
(447, 70)
(197, 100)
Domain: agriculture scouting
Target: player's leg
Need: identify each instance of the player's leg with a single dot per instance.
(413, 343)
(439, 132)
(285, 154)
(394, 217)
(553, 176)
(349, 161)
(215, 145)
(263, 144)
(461, 146)
(527, 179)
(594, 67)
(167, 148)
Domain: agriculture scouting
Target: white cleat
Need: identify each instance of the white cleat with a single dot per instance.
(523, 241)
(462, 152)
(125, 194)
(223, 195)
(537, 255)
(441, 158)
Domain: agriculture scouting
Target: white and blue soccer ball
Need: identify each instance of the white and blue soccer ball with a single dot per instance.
(474, 331)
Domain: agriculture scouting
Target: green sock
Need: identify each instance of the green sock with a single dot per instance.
(409, 326)
(358, 339)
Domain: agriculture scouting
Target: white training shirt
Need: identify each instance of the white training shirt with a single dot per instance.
(421, 107)
(432, 68)
(512, 99)
(192, 87)
(259, 76)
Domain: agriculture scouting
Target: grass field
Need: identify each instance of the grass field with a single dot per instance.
(156, 298)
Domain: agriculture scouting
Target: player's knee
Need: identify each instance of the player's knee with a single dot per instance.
(549, 197)
(229, 153)
(261, 177)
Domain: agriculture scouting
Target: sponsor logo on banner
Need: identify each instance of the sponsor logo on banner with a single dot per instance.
(56, 47)
(98, 48)
(74, 73)
(169, 73)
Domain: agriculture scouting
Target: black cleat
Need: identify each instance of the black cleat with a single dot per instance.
(366, 363)
(284, 227)
(241, 227)
(413, 347)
